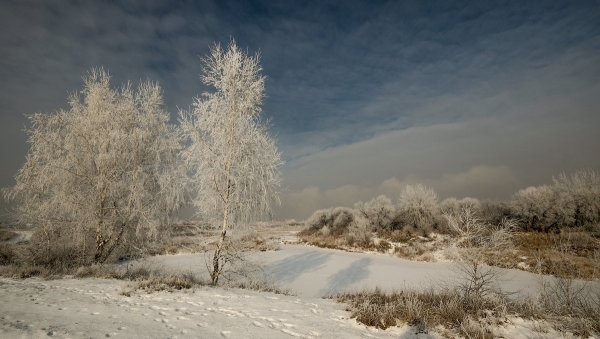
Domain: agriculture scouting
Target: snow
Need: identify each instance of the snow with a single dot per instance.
(75, 308)
(315, 272)
(94, 308)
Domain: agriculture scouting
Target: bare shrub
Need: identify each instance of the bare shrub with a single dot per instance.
(464, 224)
(58, 248)
(473, 232)
(574, 305)
(475, 240)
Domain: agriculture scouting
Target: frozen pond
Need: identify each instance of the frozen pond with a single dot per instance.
(315, 272)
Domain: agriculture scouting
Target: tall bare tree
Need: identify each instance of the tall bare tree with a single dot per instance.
(106, 166)
(233, 160)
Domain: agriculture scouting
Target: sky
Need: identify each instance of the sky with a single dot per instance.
(471, 98)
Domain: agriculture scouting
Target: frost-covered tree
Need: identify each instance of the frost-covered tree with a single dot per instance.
(572, 200)
(233, 160)
(535, 207)
(107, 166)
(417, 206)
(578, 197)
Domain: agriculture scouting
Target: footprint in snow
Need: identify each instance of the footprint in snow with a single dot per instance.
(292, 333)
(258, 324)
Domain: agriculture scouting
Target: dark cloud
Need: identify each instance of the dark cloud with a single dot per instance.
(360, 93)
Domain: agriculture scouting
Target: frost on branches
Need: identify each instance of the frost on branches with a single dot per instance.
(233, 160)
(102, 173)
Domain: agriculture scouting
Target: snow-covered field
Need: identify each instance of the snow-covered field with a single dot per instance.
(78, 308)
(315, 272)
(72, 308)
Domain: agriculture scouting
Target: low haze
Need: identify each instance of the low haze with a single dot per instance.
(363, 96)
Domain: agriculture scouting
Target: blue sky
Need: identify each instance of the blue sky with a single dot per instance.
(472, 98)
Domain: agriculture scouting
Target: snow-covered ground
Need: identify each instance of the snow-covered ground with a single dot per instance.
(314, 272)
(78, 308)
(72, 308)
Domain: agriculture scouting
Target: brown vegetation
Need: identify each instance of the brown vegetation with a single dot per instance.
(563, 306)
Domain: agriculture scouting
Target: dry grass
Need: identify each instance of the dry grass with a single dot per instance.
(24, 272)
(8, 254)
(572, 306)
(165, 282)
(319, 240)
(253, 241)
(425, 310)
(574, 254)
(565, 308)
(341, 242)
(259, 285)
(6, 235)
(412, 251)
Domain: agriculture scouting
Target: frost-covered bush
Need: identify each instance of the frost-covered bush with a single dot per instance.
(455, 206)
(472, 231)
(359, 232)
(578, 197)
(379, 213)
(535, 207)
(495, 211)
(571, 201)
(417, 208)
(337, 220)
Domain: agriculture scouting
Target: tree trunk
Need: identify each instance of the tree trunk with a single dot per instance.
(114, 243)
(214, 276)
(100, 242)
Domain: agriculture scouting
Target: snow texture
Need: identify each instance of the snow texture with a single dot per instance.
(94, 308)
(316, 272)
(71, 308)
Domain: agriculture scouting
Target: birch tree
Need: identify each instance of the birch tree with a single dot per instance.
(107, 166)
(233, 161)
